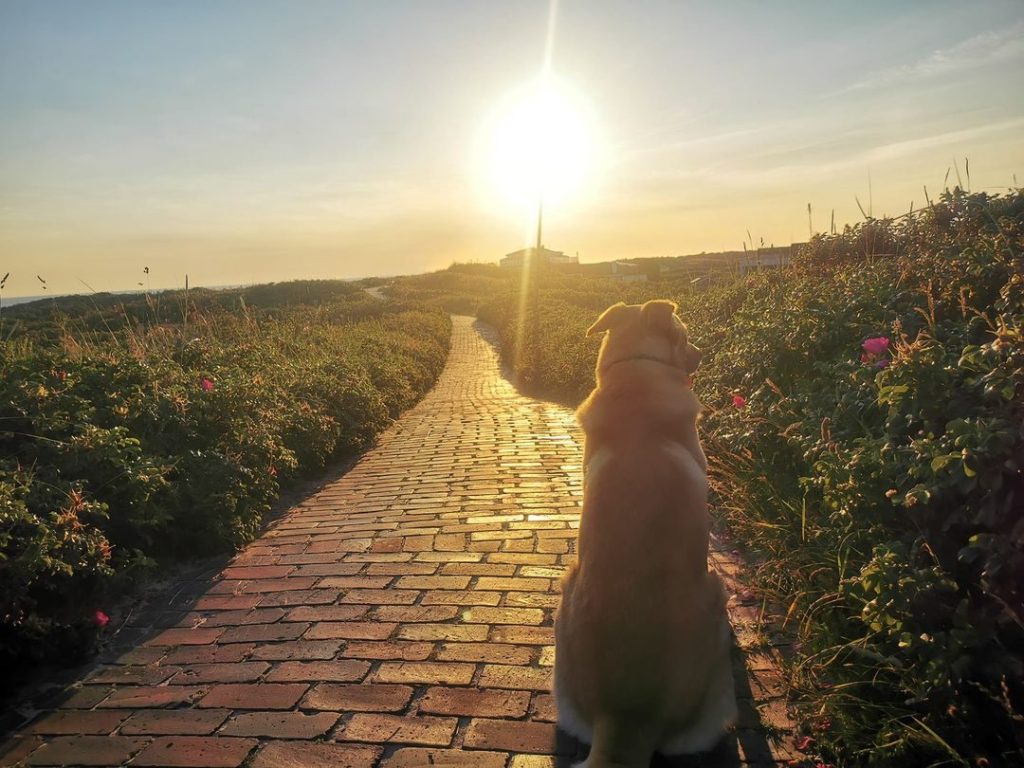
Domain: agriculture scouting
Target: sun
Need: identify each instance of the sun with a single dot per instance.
(539, 144)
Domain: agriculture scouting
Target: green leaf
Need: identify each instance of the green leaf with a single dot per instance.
(941, 462)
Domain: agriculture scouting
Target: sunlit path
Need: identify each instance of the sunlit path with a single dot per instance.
(402, 616)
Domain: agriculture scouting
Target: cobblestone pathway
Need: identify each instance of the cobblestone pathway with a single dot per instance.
(402, 616)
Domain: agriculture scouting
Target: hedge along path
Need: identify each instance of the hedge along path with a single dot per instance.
(402, 616)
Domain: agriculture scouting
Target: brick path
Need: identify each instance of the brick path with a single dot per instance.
(402, 616)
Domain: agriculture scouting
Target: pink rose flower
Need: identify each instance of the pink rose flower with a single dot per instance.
(100, 619)
(877, 346)
(876, 351)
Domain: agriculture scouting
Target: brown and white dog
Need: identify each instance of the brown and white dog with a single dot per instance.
(641, 636)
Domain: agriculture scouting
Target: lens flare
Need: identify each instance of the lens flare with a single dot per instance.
(540, 144)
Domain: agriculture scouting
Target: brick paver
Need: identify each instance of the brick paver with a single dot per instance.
(401, 616)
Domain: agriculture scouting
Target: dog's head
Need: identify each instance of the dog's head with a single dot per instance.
(644, 331)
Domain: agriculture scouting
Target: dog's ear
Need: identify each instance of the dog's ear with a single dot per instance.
(608, 319)
(658, 315)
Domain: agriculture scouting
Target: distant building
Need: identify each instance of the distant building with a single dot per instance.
(695, 265)
(767, 258)
(615, 270)
(515, 259)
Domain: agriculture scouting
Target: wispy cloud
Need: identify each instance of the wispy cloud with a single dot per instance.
(992, 47)
(789, 157)
(946, 138)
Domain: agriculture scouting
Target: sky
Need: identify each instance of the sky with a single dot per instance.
(245, 141)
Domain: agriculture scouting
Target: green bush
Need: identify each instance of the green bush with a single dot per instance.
(131, 446)
(886, 493)
(53, 561)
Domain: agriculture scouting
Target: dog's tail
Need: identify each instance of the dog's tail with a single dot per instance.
(619, 746)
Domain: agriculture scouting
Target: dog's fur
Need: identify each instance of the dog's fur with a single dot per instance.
(642, 638)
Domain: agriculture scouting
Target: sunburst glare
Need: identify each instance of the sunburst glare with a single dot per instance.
(539, 143)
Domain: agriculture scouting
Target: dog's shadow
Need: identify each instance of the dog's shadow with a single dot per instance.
(746, 745)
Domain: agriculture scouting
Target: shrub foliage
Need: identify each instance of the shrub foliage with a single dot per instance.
(128, 437)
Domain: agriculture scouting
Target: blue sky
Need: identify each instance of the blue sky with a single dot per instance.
(244, 141)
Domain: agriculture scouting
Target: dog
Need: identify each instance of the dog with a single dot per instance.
(641, 634)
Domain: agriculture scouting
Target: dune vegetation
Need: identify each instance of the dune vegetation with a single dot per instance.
(136, 431)
(863, 423)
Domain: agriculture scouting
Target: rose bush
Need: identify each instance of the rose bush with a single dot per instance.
(136, 444)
